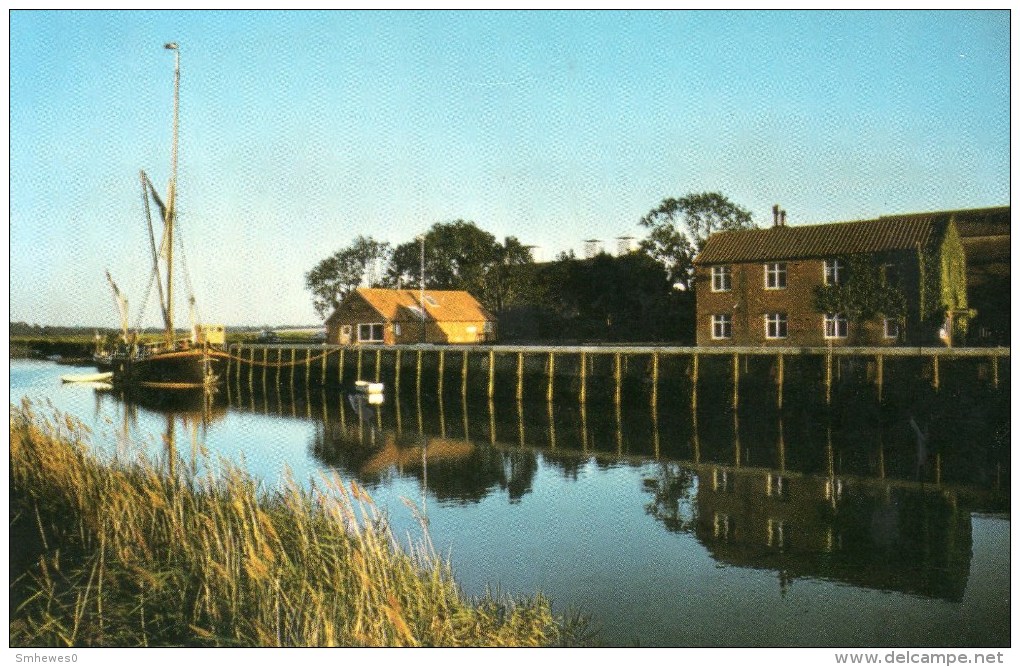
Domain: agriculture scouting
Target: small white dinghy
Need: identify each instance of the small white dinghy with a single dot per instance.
(87, 377)
(365, 387)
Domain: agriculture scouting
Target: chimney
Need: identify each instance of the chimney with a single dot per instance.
(775, 215)
(782, 218)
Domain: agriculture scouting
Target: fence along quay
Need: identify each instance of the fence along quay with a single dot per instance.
(624, 373)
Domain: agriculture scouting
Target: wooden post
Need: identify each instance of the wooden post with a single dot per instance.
(463, 375)
(552, 426)
(340, 371)
(442, 362)
(308, 367)
(995, 372)
(492, 377)
(378, 363)
(736, 382)
(655, 381)
(293, 366)
(779, 381)
(828, 377)
(240, 351)
(520, 375)
(325, 358)
(396, 373)
(361, 351)
(584, 379)
(552, 372)
(694, 385)
(417, 377)
(618, 377)
(935, 371)
(265, 365)
(879, 374)
(251, 366)
(230, 350)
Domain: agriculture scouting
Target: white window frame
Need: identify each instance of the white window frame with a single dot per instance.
(777, 326)
(834, 272)
(775, 275)
(896, 330)
(370, 326)
(724, 323)
(835, 326)
(722, 279)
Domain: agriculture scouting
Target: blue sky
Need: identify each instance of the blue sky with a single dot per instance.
(302, 130)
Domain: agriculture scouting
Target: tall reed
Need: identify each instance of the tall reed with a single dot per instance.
(120, 553)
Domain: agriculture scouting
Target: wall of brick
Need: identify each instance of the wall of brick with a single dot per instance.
(748, 301)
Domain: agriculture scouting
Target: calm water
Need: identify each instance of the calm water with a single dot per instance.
(752, 530)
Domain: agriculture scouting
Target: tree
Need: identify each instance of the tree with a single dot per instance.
(335, 277)
(459, 255)
(680, 227)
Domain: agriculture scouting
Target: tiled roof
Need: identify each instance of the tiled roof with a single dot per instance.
(440, 305)
(992, 221)
(838, 238)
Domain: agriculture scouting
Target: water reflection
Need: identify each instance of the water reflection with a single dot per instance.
(880, 500)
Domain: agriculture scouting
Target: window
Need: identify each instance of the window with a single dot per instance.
(370, 333)
(892, 328)
(721, 279)
(722, 327)
(775, 325)
(396, 328)
(775, 276)
(835, 325)
(835, 272)
(891, 275)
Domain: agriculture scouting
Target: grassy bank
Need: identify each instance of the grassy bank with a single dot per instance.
(118, 553)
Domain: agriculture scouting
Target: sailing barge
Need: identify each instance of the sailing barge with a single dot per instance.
(168, 363)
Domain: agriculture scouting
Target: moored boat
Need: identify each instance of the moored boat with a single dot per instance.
(168, 363)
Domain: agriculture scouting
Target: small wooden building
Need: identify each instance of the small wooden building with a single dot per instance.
(405, 316)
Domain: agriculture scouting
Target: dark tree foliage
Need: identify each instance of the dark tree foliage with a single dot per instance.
(458, 255)
(626, 298)
(864, 294)
(335, 277)
(678, 229)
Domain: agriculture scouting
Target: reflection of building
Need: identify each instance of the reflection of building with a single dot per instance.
(758, 286)
(393, 316)
(864, 533)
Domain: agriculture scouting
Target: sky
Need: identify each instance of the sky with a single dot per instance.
(302, 130)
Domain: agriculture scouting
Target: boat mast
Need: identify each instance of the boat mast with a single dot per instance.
(171, 210)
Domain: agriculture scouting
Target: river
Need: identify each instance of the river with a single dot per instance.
(762, 529)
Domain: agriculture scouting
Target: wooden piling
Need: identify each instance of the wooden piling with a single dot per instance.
(828, 377)
(879, 374)
(995, 372)
(442, 362)
(378, 363)
(293, 366)
(584, 379)
(618, 378)
(655, 381)
(308, 367)
(325, 358)
(360, 355)
(935, 371)
(552, 373)
(736, 382)
(340, 369)
(251, 366)
(694, 384)
(464, 375)
(492, 375)
(779, 381)
(265, 365)
(396, 373)
(417, 377)
(520, 375)
(240, 352)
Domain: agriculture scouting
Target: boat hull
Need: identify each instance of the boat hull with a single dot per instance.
(184, 369)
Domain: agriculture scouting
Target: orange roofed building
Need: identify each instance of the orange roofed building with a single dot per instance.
(372, 316)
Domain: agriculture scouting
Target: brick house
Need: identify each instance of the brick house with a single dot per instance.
(396, 316)
(757, 287)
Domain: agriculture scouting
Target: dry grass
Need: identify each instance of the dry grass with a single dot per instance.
(121, 554)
